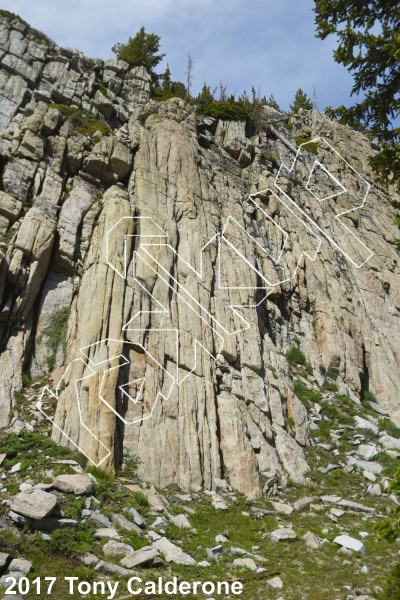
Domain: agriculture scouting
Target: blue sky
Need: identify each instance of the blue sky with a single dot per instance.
(263, 43)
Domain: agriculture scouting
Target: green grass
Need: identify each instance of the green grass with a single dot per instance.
(139, 501)
(102, 88)
(30, 449)
(56, 334)
(26, 380)
(72, 541)
(83, 122)
(367, 395)
(329, 386)
(7, 237)
(305, 394)
(347, 405)
(387, 425)
(306, 143)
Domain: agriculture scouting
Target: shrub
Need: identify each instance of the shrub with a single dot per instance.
(102, 88)
(176, 89)
(19, 397)
(101, 475)
(331, 411)
(228, 111)
(294, 355)
(74, 506)
(72, 541)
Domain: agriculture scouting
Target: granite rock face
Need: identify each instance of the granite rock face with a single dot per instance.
(107, 201)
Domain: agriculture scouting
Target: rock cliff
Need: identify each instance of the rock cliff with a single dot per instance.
(161, 272)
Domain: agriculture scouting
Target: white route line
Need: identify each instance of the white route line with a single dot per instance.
(84, 351)
(47, 390)
(197, 308)
(317, 163)
(161, 234)
(286, 236)
(345, 212)
(180, 291)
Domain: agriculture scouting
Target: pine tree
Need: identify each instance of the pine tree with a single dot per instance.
(272, 102)
(166, 78)
(206, 96)
(301, 100)
(141, 50)
(369, 46)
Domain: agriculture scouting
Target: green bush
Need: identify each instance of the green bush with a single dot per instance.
(19, 397)
(176, 90)
(331, 411)
(72, 541)
(294, 355)
(106, 490)
(227, 111)
(83, 573)
(8, 541)
(101, 475)
(74, 505)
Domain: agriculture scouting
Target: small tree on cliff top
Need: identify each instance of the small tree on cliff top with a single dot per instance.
(141, 50)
